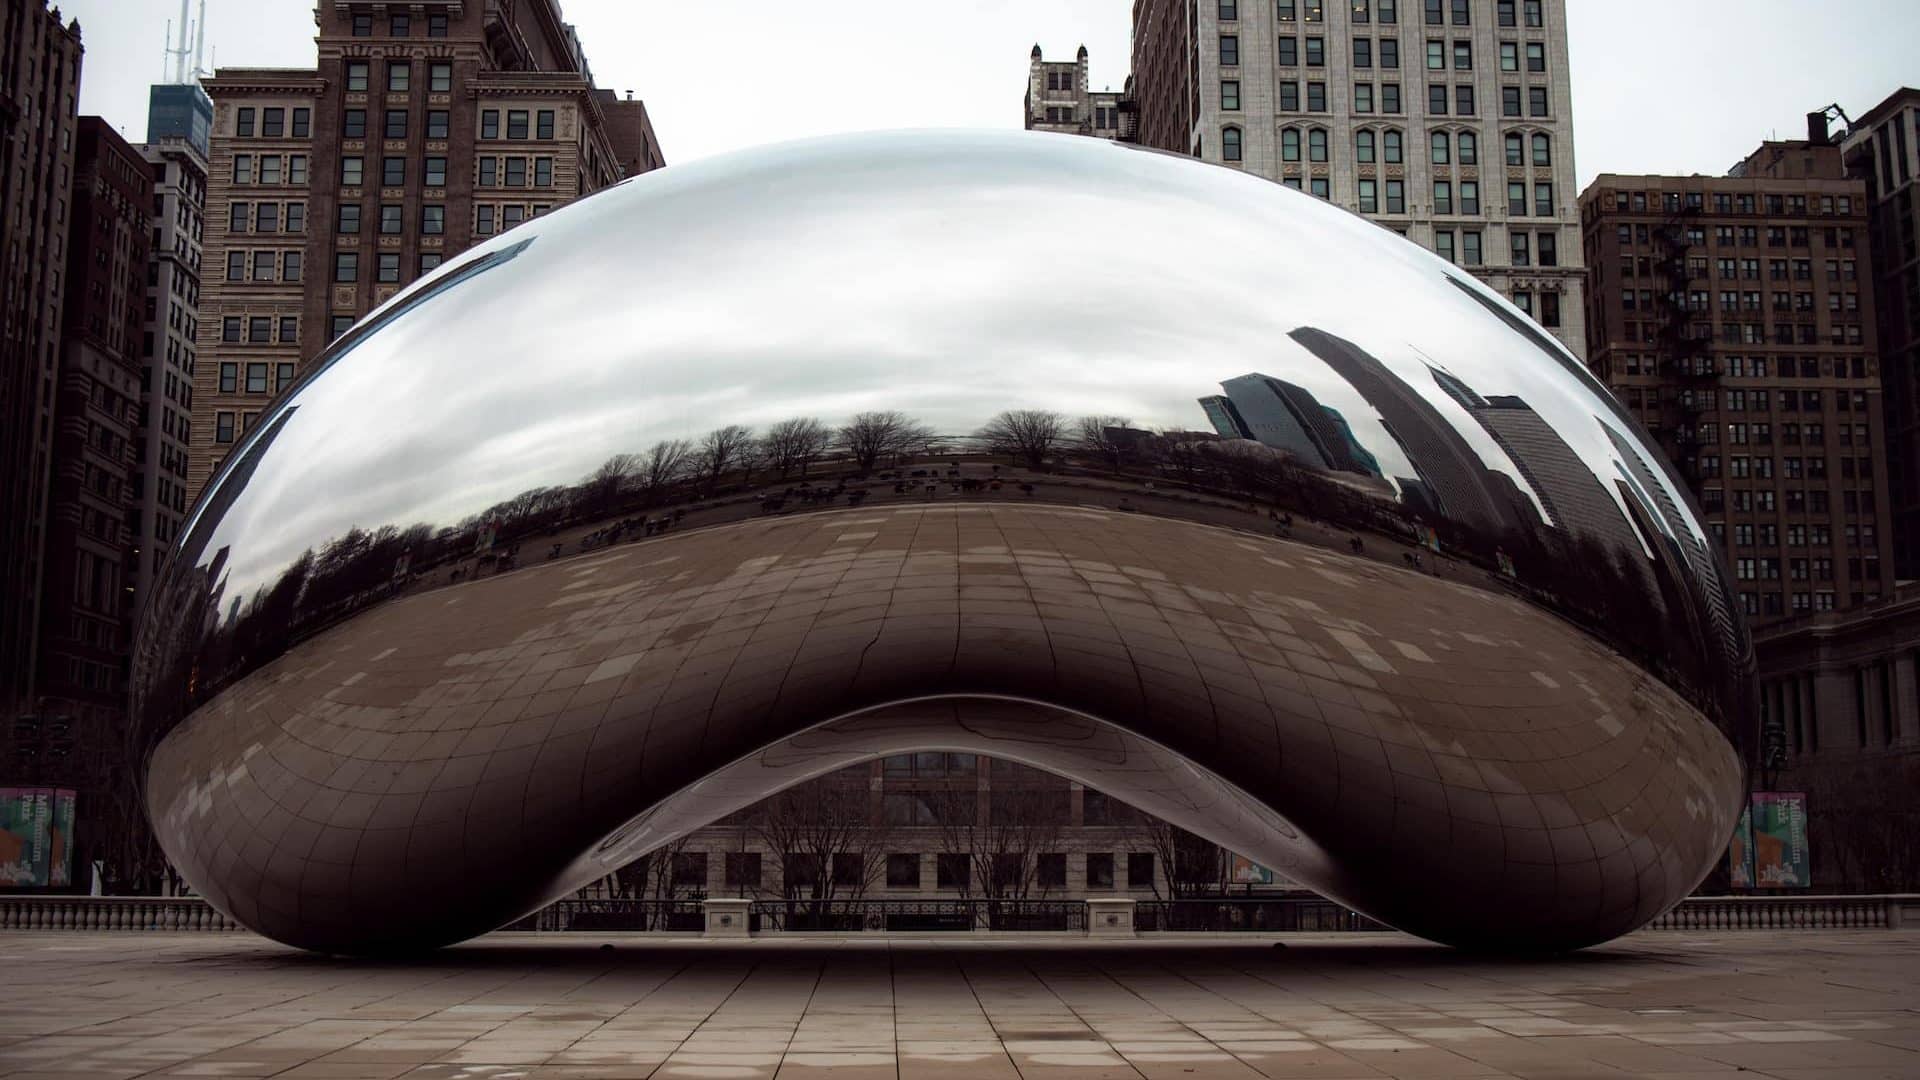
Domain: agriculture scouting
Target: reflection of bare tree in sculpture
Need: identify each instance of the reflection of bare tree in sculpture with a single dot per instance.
(871, 436)
(1104, 436)
(663, 463)
(791, 445)
(1193, 867)
(1025, 433)
(1022, 820)
(600, 493)
(725, 448)
(824, 838)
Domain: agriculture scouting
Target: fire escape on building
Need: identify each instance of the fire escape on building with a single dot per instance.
(1684, 337)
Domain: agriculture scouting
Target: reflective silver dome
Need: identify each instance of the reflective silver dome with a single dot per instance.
(1183, 484)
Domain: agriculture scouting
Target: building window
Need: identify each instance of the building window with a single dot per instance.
(433, 220)
(1469, 149)
(1536, 56)
(1463, 100)
(352, 171)
(903, 871)
(1317, 145)
(1290, 144)
(1524, 301)
(399, 76)
(391, 219)
(289, 335)
(1099, 870)
(1470, 248)
(1389, 97)
(223, 427)
(1510, 101)
(263, 265)
(257, 377)
(1289, 96)
(393, 172)
(490, 123)
(1436, 12)
(1396, 196)
(1443, 244)
(243, 168)
(1441, 147)
(1362, 52)
(429, 262)
(1363, 97)
(399, 26)
(440, 78)
(357, 76)
(1504, 12)
(302, 123)
(1316, 52)
(1509, 56)
(437, 124)
(543, 124)
(1363, 147)
(243, 123)
(1437, 100)
(1516, 199)
(396, 124)
(516, 172)
(1518, 243)
(1549, 308)
(230, 374)
(543, 172)
(363, 26)
(1543, 200)
(436, 172)
(297, 169)
(1230, 95)
(1443, 197)
(1389, 11)
(1536, 101)
(236, 266)
(952, 871)
(1392, 147)
(339, 325)
(290, 266)
(489, 172)
(1369, 197)
(1469, 196)
(238, 214)
(1140, 870)
(1316, 97)
(346, 267)
(483, 221)
(1531, 8)
(516, 124)
(349, 219)
(1390, 54)
(273, 123)
(1463, 56)
(388, 268)
(1319, 188)
(436, 26)
(353, 124)
(1436, 55)
(1542, 150)
(1229, 50)
(1229, 10)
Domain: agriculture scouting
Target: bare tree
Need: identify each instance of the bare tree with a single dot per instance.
(602, 487)
(823, 837)
(663, 463)
(871, 436)
(1104, 437)
(792, 445)
(1192, 866)
(1025, 433)
(723, 449)
(1025, 813)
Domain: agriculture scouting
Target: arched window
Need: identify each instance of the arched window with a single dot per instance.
(1442, 148)
(1317, 144)
(1469, 149)
(1363, 147)
(1542, 150)
(1290, 144)
(1516, 149)
(1230, 144)
(1392, 144)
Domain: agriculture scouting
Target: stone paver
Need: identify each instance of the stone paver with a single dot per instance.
(1795, 1006)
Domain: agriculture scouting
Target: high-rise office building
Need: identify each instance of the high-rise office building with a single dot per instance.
(422, 130)
(1734, 316)
(1059, 98)
(39, 92)
(178, 122)
(1883, 149)
(1447, 121)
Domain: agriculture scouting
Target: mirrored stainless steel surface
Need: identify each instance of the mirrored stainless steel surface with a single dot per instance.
(1204, 473)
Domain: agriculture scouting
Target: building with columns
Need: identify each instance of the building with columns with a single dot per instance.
(423, 129)
(1448, 121)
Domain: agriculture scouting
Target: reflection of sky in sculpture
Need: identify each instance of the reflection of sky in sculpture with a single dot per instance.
(946, 276)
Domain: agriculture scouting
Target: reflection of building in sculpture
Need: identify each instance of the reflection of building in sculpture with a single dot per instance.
(1567, 488)
(1059, 98)
(1685, 544)
(1455, 478)
(1288, 417)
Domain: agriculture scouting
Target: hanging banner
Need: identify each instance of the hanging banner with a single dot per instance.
(1244, 871)
(1780, 859)
(1740, 851)
(36, 837)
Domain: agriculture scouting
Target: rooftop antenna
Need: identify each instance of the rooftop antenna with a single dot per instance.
(178, 53)
(199, 41)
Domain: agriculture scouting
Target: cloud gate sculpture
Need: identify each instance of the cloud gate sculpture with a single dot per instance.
(1174, 481)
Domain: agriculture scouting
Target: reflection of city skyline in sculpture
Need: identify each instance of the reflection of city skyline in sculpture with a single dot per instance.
(715, 537)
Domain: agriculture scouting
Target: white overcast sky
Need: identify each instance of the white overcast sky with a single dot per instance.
(1675, 86)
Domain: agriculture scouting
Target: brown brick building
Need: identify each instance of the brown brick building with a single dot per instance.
(423, 129)
(1734, 316)
(39, 88)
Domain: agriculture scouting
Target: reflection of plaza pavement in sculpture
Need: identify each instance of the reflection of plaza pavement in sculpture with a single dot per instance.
(1469, 767)
(1795, 1006)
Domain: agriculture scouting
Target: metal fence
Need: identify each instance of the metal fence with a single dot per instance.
(861, 916)
(111, 913)
(1257, 916)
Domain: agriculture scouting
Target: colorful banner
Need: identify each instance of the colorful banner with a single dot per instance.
(1244, 871)
(36, 837)
(1780, 840)
(1740, 851)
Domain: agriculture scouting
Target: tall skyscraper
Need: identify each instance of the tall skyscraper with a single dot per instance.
(1447, 121)
(1731, 315)
(420, 132)
(39, 91)
(1288, 417)
(1059, 98)
(1883, 150)
(178, 122)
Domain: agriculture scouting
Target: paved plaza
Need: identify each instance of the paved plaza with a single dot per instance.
(1795, 1006)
